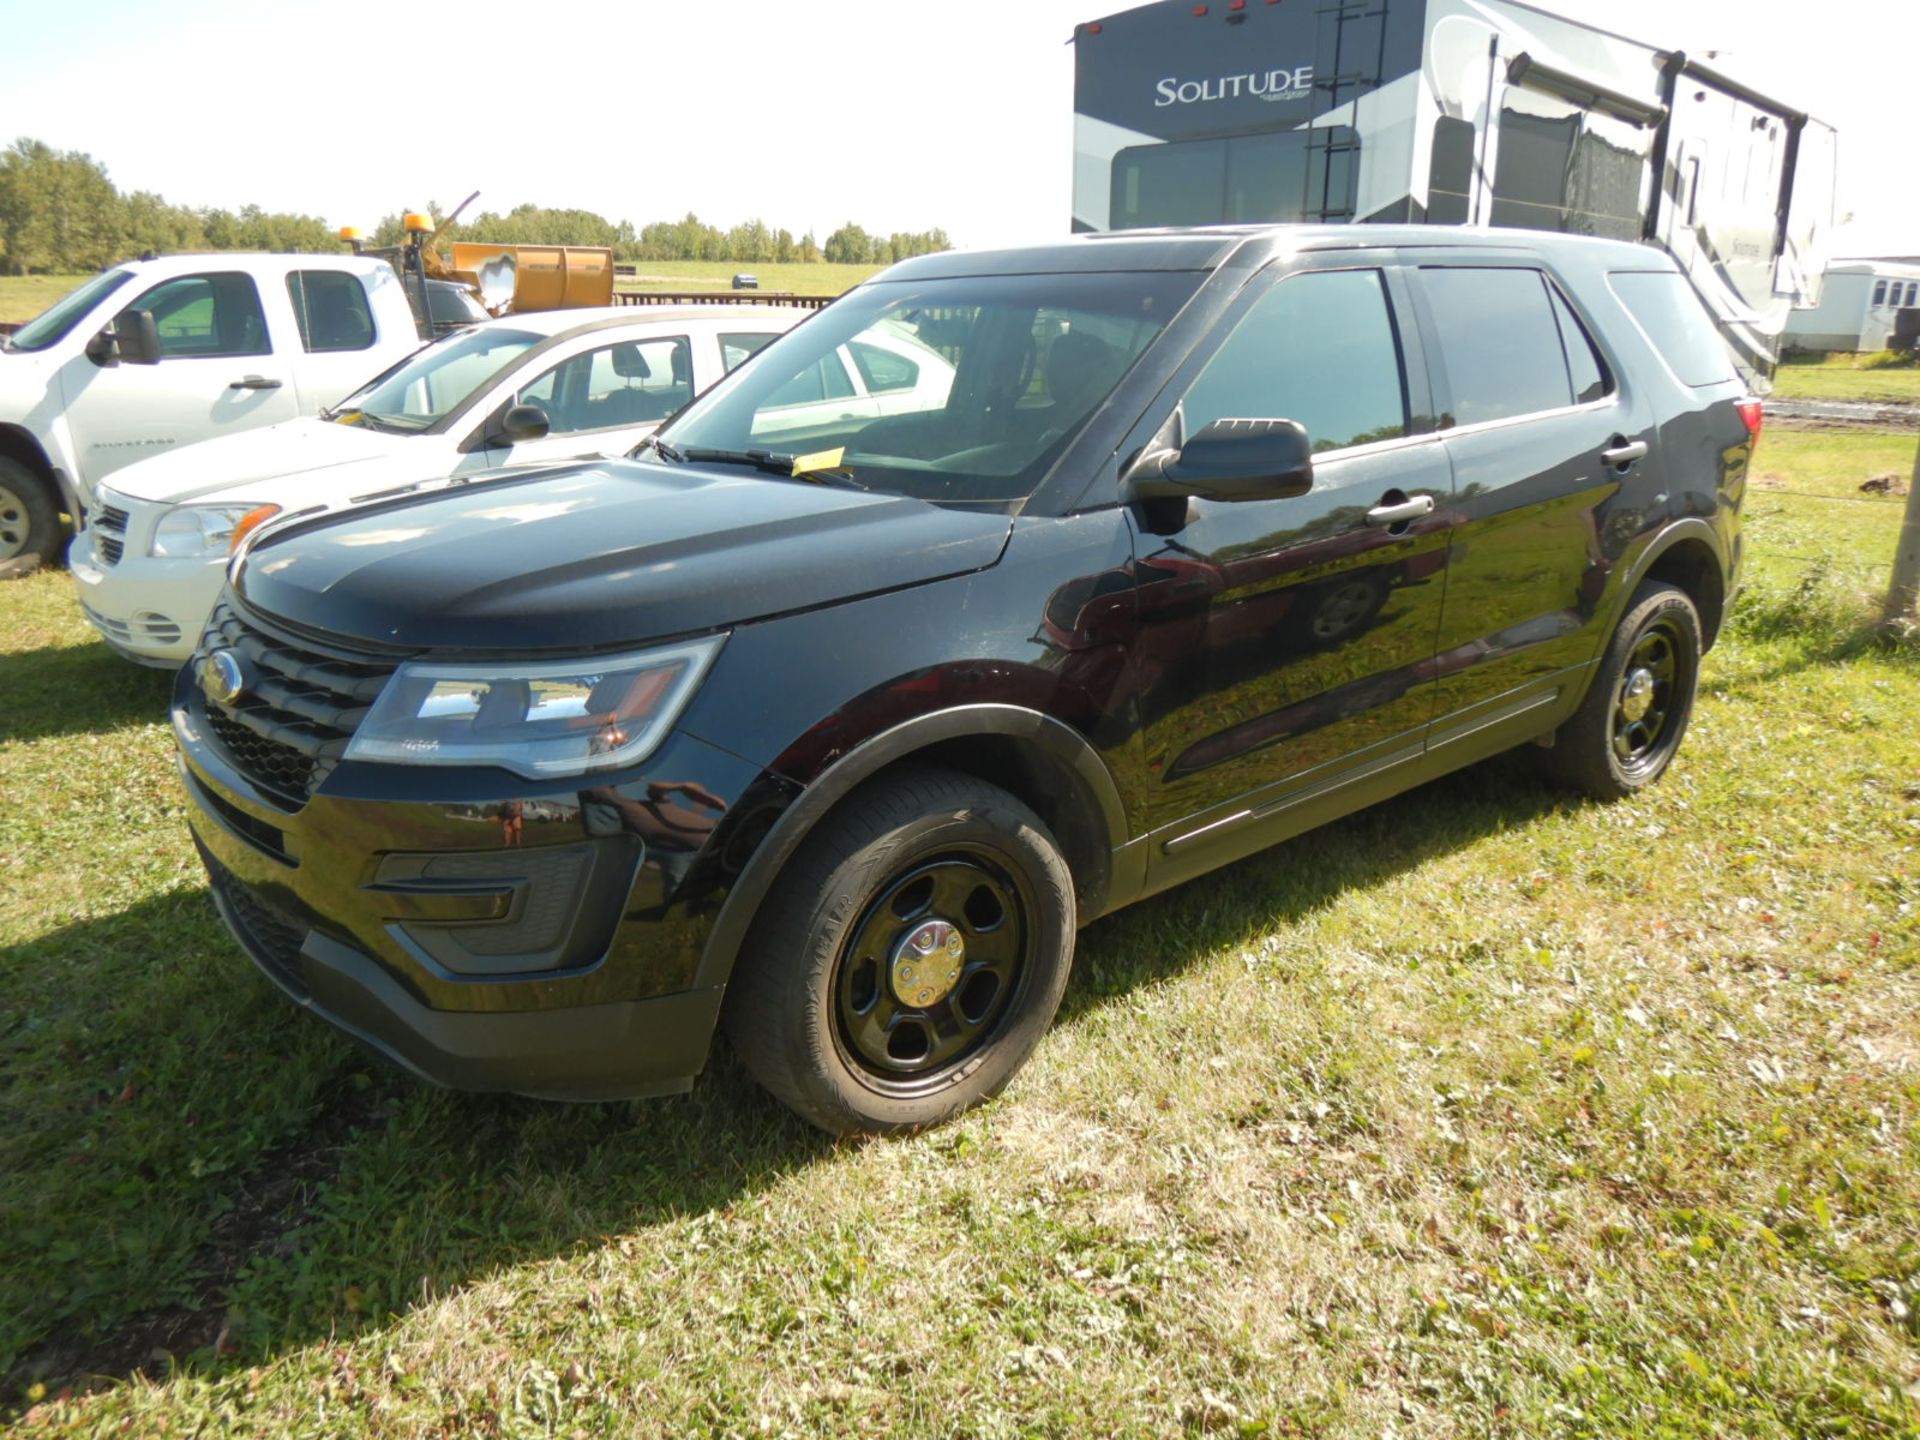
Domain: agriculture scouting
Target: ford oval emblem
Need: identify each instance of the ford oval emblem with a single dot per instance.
(222, 677)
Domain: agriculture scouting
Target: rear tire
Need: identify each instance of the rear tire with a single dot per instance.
(1630, 725)
(849, 1022)
(29, 514)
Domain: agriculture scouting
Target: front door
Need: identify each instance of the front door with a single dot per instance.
(604, 401)
(217, 372)
(1286, 642)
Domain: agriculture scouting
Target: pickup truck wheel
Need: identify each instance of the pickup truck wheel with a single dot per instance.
(909, 959)
(1628, 729)
(29, 519)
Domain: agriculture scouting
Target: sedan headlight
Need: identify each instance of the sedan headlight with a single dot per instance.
(565, 717)
(192, 531)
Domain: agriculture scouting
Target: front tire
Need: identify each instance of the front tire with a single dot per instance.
(909, 959)
(1630, 725)
(29, 515)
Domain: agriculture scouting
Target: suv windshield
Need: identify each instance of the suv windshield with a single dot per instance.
(53, 324)
(428, 386)
(962, 390)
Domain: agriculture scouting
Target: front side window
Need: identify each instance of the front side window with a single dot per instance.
(1499, 340)
(1008, 370)
(52, 324)
(634, 382)
(204, 316)
(1318, 348)
(431, 383)
(330, 307)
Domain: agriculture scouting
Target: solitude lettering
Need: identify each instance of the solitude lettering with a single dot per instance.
(1268, 85)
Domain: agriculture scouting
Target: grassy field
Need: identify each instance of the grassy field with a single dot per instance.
(1847, 377)
(718, 275)
(24, 296)
(1487, 1112)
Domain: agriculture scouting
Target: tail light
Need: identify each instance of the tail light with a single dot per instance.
(1754, 413)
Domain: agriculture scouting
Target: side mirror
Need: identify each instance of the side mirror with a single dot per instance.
(522, 423)
(1229, 460)
(136, 339)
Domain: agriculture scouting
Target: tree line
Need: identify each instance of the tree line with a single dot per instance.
(59, 212)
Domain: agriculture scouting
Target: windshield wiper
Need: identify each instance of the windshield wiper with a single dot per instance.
(666, 448)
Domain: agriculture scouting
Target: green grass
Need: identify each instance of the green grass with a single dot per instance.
(1848, 377)
(1485, 1112)
(24, 296)
(718, 275)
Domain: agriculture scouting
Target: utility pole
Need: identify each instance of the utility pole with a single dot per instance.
(1905, 589)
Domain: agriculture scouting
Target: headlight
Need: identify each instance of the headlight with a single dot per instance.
(562, 718)
(190, 531)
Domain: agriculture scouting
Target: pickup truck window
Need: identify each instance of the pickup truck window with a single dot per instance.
(330, 307)
(204, 316)
(52, 324)
(428, 386)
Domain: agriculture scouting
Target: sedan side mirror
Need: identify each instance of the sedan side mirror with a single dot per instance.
(1229, 460)
(133, 337)
(522, 423)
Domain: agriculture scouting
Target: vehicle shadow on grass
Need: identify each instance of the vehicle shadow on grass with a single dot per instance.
(221, 1179)
(77, 689)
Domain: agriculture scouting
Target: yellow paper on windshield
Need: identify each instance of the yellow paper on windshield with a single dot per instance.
(821, 460)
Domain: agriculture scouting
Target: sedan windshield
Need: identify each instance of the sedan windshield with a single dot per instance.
(962, 390)
(431, 384)
(52, 325)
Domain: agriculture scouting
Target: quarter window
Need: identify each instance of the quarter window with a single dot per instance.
(1669, 314)
(1318, 348)
(1499, 342)
(205, 316)
(330, 307)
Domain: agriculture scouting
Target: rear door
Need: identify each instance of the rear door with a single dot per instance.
(1541, 437)
(1286, 644)
(218, 371)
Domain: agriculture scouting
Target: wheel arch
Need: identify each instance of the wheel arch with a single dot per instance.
(1688, 554)
(1035, 757)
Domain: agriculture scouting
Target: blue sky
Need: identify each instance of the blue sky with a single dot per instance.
(901, 114)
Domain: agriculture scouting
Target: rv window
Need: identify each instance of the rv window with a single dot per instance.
(1669, 314)
(1912, 287)
(1285, 175)
(1318, 348)
(1560, 167)
(1880, 293)
(1499, 342)
(1450, 176)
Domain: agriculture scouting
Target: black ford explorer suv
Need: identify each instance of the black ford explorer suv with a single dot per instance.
(829, 717)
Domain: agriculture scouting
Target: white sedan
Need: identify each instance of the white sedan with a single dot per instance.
(525, 389)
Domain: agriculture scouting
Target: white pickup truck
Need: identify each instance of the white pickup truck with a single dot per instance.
(154, 354)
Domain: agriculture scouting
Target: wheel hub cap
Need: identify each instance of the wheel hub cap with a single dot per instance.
(1636, 697)
(927, 963)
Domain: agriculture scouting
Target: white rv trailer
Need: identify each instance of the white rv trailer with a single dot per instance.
(1859, 306)
(1453, 112)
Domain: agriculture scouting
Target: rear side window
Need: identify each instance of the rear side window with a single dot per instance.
(1583, 361)
(1669, 314)
(883, 371)
(330, 307)
(202, 316)
(1500, 342)
(1318, 348)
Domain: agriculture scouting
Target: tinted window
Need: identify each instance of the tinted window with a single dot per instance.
(1880, 293)
(1280, 176)
(1589, 375)
(1912, 288)
(330, 307)
(883, 370)
(636, 382)
(1318, 348)
(1499, 342)
(1450, 173)
(734, 349)
(207, 315)
(1668, 313)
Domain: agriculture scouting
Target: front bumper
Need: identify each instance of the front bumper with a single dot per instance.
(484, 940)
(149, 610)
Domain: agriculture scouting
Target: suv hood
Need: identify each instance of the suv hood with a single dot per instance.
(292, 448)
(607, 554)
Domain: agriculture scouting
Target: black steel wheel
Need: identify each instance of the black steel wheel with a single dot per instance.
(1629, 727)
(909, 957)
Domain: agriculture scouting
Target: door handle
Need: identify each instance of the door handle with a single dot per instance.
(256, 382)
(1402, 512)
(1624, 453)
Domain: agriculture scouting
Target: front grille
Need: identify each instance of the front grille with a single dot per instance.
(269, 935)
(111, 543)
(301, 705)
